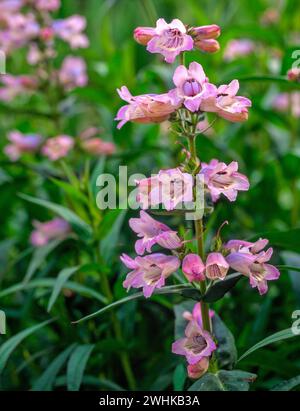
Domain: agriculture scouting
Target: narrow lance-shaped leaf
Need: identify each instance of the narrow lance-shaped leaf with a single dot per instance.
(76, 366)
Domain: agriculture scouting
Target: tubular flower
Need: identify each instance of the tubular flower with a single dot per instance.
(246, 246)
(58, 147)
(227, 104)
(21, 143)
(166, 39)
(169, 187)
(73, 73)
(216, 266)
(145, 108)
(196, 345)
(223, 179)
(50, 230)
(191, 87)
(153, 232)
(149, 272)
(193, 268)
(238, 48)
(13, 86)
(205, 38)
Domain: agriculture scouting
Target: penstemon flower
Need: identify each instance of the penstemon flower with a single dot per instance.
(153, 232)
(193, 267)
(73, 73)
(21, 143)
(57, 147)
(146, 108)
(149, 272)
(50, 230)
(216, 266)
(223, 179)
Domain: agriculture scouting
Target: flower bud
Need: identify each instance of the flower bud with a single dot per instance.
(216, 266)
(143, 34)
(193, 268)
(211, 31)
(207, 45)
(294, 74)
(197, 370)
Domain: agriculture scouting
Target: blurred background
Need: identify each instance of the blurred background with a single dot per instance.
(259, 43)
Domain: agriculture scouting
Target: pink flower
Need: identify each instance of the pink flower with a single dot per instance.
(70, 30)
(167, 39)
(196, 314)
(146, 108)
(246, 246)
(169, 187)
(193, 268)
(50, 230)
(216, 266)
(223, 179)
(21, 143)
(196, 345)
(238, 48)
(294, 74)
(149, 272)
(191, 86)
(47, 5)
(254, 266)
(58, 147)
(13, 86)
(196, 371)
(153, 232)
(97, 146)
(73, 73)
(227, 104)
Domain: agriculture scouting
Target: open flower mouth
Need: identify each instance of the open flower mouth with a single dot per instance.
(213, 271)
(191, 88)
(171, 39)
(222, 180)
(196, 344)
(258, 272)
(153, 275)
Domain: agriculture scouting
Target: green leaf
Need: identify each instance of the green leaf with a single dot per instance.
(172, 289)
(109, 242)
(220, 288)
(76, 366)
(281, 335)
(70, 190)
(191, 293)
(274, 79)
(83, 230)
(46, 380)
(9, 346)
(38, 257)
(62, 278)
(49, 283)
(224, 381)
(179, 377)
(287, 385)
(226, 349)
(288, 240)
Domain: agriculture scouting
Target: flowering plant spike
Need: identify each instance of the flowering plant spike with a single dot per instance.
(185, 107)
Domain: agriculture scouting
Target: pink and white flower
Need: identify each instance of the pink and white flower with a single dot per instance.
(205, 37)
(73, 73)
(223, 179)
(21, 143)
(153, 232)
(172, 188)
(227, 104)
(149, 272)
(195, 371)
(193, 267)
(58, 147)
(70, 30)
(47, 5)
(145, 108)
(50, 230)
(166, 39)
(192, 87)
(246, 246)
(196, 344)
(216, 267)
(285, 102)
(255, 267)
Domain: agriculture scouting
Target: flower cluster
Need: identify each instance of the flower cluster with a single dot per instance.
(58, 147)
(57, 228)
(185, 106)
